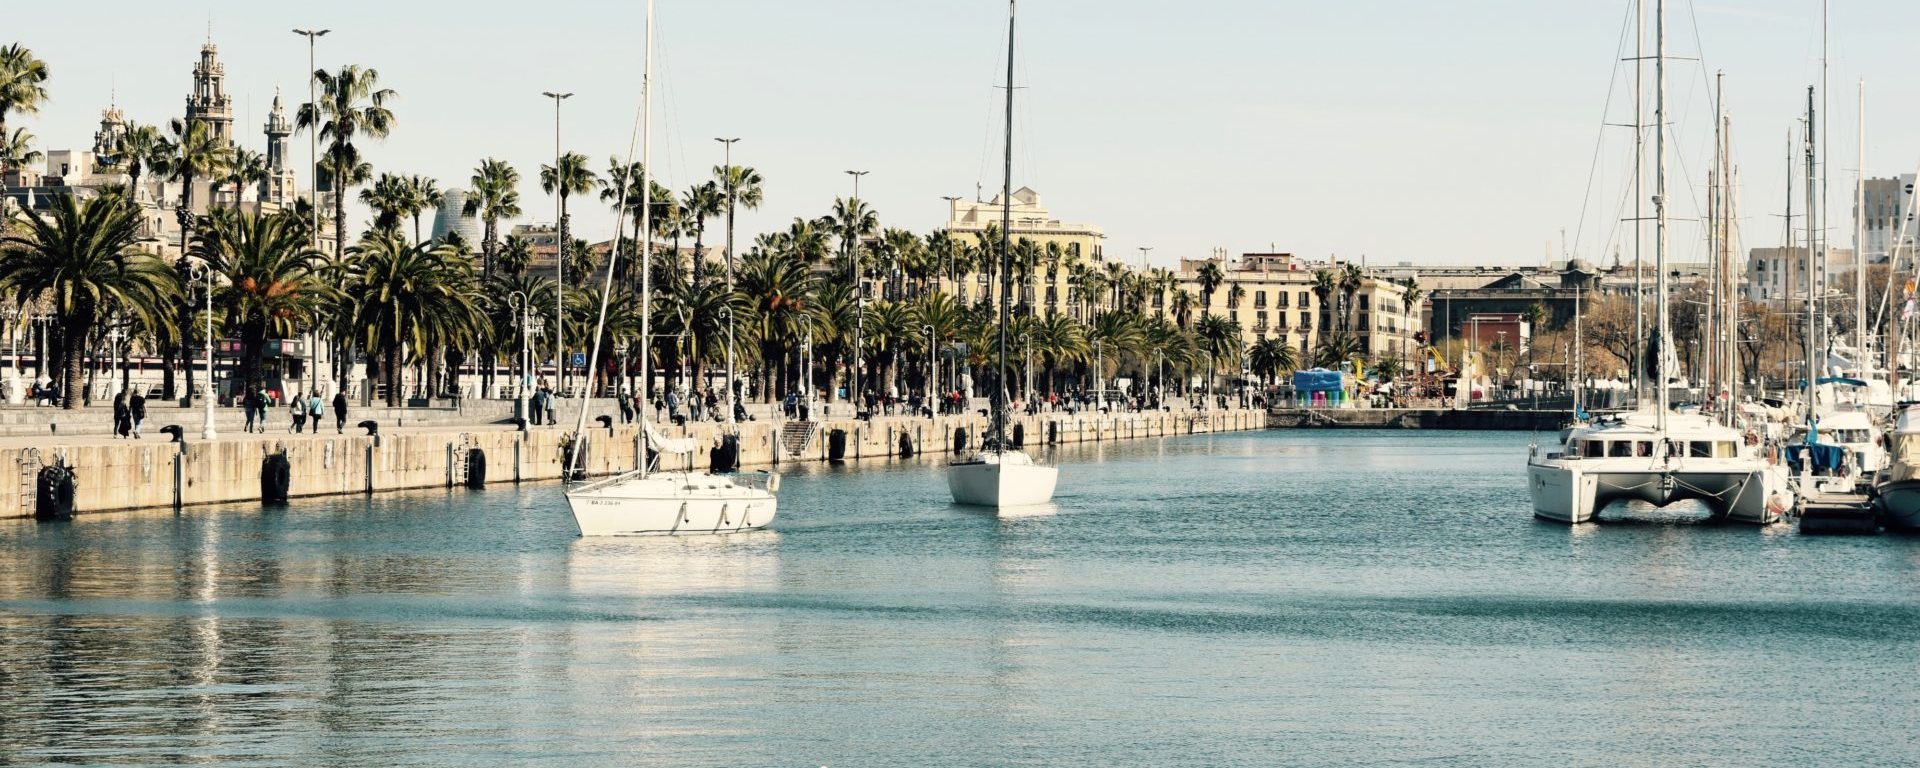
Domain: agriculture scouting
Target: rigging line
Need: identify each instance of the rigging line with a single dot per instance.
(613, 261)
(1894, 245)
(1600, 138)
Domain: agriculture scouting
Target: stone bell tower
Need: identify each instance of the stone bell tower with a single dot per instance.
(210, 103)
(277, 188)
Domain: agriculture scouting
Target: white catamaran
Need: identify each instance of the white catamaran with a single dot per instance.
(645, 502)
(999, 475)
(1655, 455)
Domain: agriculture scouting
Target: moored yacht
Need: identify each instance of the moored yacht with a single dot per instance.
(1898, 490)
(1633, 458)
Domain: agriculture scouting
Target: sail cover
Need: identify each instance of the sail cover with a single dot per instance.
(665, 444)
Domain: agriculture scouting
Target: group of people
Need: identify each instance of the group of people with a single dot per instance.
(129, 415)
(257, 403)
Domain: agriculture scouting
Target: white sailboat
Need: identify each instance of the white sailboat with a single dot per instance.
(1655, 455)
(644, 502)
(999, 475)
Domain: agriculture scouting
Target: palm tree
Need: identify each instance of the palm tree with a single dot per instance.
(1270, 357)
(1056, 339)
(23, 79)
(1349, 286)
(273, 278)
(245, 167)
(853, 221)
(198, 154)
(494, 195)
(701, 202)
(351, 104)
(423, 193)
(743, 188)
(778, 293)
(1324, 284)
(142, 149)
(408, 300)
(1211, 276)
(1220, 339)
(1336, 348)
(78, 261)
(17, 150)
(390, 198)
(572, 177)
(515, 254)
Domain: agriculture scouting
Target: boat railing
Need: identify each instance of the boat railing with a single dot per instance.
(759, 480)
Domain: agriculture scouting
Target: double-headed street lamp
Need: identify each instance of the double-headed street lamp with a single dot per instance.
(200, 272)
(726, 313)
(732, 194)
(559, 241)
(313, 167)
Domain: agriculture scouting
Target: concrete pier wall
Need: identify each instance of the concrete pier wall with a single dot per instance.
(1416, 418)
(157, 474)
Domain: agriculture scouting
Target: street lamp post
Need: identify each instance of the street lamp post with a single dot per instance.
(15, 394)
(313, 168)
(517, 303)
(727, 312)
(933, 369)
(1099, 373)
(559, 243)
(860, 295)
(207, 432)
(1027, 393)
(959, 290)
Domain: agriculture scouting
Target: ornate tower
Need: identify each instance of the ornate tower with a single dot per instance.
(277, 188)
(111, 138)
(210, 103)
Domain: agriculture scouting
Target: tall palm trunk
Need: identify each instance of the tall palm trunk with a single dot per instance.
(73, 335)
(392, 366)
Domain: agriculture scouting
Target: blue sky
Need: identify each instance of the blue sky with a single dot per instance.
(1459, 131)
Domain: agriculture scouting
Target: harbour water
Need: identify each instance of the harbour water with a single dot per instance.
(1298, 598)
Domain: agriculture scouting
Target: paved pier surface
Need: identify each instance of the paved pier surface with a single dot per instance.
(116, 473)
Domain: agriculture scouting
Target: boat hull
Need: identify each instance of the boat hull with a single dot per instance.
(1001, 484)
(672, 506)
(1569, 493)
(1900, 505)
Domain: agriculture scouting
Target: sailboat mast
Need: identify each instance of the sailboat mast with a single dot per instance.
(1859, 227)
(1710, 383)
(1813, 283)
(606, 297)
(646, 236)
(1825, 160)
(1006, 273)
(1660, 209)
(1639, 201)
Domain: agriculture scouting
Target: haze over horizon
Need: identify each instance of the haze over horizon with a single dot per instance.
(1397, 131)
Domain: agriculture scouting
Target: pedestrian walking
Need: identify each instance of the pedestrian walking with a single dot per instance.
(122, 416)
(316, 408)
(626, 406)
(299, 410)
(340, 412)
(137, 408)
(251, 403)
(546, 397)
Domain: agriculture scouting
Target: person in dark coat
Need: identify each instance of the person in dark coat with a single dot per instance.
(122, 416)
(340, 412)
(137, 408)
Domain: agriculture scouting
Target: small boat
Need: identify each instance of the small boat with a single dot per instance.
(644, 502)
(1000, 475)
(1001, 478)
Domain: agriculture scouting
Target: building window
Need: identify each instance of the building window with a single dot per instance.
(1363, 301)
(1073, 249)
(1280, 320)
(1260, 320)
(1053, 294)
(1233, 315)
(1306, 321)
(1306, 299)
(1280, 299)
(1260, 300)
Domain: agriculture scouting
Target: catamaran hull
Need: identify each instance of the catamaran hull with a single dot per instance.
(666, 515)
(1571, 494)
(1900, 505)
(989, 484)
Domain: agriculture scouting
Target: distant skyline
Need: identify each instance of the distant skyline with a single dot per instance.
(1399, 131)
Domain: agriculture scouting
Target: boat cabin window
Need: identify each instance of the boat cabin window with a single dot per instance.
(1594, 449)
(1643, 448)
(1620, 448)
(1700, 449)
(1848, 435)
(1725, 449)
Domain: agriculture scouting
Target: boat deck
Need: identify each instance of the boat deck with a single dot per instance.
(1839, 513)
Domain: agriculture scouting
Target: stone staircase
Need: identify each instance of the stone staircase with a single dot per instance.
(795, 436)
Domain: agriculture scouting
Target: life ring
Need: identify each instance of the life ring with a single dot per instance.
(1775, 507)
